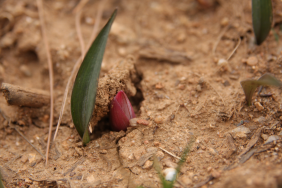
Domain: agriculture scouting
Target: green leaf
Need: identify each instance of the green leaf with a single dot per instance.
(85, 86)
(1, 184)
(262, 19)
(249, 86)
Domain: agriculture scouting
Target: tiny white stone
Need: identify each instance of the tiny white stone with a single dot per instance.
(170, 174)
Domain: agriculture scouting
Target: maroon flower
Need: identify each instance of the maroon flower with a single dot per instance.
(121, 112)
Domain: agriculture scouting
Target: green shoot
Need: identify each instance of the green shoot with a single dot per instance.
(262, 19)
(85, 86)
(249, 86)
(169, 184)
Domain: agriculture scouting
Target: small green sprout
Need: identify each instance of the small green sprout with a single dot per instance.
(85, 86)
(262, 19)
(249, 86)
(166, 183)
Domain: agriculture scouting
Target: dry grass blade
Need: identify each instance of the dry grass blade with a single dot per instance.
(50, 65)
(78, 30)
(236, 47)
(78, 62)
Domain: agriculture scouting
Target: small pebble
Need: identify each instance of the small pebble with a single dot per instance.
(90, 179)
(224, 21)
(181, 86)
(259, 106)
(148, 164)
(272, 138)
(264, 136)
(181, 37)
(186, 180)
(209, 169)
(170, 174)
(215, 174)
(159, 119)
(104, 151)
(252, 61)
(240, 132)
(25, 70)
(159, 86)
(122, 51)
(160, 155)
(31, 157)
(24, 159)
(199, 88)
(157, 144)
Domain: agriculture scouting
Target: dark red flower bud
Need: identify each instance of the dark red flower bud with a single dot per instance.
(121, 112)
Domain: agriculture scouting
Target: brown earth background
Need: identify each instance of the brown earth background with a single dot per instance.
(180, 62)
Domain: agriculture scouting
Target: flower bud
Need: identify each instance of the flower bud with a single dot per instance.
(121, 112)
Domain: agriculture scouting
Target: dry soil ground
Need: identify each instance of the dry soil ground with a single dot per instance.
(178, 79)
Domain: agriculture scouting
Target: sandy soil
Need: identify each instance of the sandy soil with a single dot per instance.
(170, 57)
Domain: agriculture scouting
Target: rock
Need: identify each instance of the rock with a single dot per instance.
(215, 173)
(223, 65)
(213, 151)
(240, 132)
(198, 88)
(152, 150)
(90, 179)
(185, 179)
(24, 159)
(169, 163)
(135, 170)
(159, 119)
(272, 138)
(260, 119)
(264, 136)
(170, 174)
(148, 164)
(31, 157)
(160, 155)
(258, 106)
(224, 21)
(252, 61)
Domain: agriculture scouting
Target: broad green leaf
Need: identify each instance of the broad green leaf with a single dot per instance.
(85, 86)
(262, 19)
(1, 184)
(249, 86)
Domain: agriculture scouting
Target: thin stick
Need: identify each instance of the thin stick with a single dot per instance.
(77, 64)
(79, 6)
(50, 64)
(29, 142)
(78, 30)
(97, 22)
(238, 44)
(218, 39)
(170, 153)
(10, 125)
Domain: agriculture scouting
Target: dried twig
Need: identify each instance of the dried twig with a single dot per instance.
(77, 65)
(21, 96)
(236, 47)
(170, 153)
(50, 65)
(78, 30)
(79, 6)
(78, 162)
(27, 141)
(219, 38)
(10, 125)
